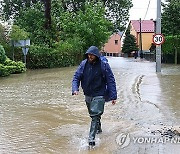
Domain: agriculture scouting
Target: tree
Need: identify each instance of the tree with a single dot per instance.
(47, 13)
(39, 34)
(3, 37)
(117, 11)
(129, 44)
(13, 8)
(18, 34)
(170, 22)
(171, 17)
(90, 25)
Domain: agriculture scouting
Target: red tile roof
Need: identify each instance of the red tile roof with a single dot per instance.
(147, 26)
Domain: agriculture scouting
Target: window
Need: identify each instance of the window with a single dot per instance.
(116, 42)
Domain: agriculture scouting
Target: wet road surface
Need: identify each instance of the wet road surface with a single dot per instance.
(38, 114)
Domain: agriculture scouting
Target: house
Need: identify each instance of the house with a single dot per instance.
(147, 32)
(113, 46)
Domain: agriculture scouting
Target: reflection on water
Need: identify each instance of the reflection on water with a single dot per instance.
(38, 114)
(170, 81)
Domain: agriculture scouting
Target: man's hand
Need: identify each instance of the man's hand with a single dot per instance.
(75, 93)
(113, 102)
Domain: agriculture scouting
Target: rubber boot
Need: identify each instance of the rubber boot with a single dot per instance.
(95, 107)
(93, 130)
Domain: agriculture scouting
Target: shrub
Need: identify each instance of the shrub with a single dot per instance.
(11, 67)
(170, 43)
(64, 53)
(15, 67)
(39, 57)
(170, 48)
(4, 71)
(2, 55)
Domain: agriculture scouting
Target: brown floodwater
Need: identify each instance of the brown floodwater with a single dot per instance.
(38, 113)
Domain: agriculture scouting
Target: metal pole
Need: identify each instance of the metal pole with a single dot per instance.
(13, 49)
(158, 31)
(25, 52)
(25, 60)
(140, 38)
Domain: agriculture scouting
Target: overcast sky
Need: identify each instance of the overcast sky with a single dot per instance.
(139, 9)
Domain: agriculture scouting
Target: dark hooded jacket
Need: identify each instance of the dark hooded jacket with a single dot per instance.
(96, 79)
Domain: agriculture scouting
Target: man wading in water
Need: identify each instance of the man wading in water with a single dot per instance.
(98, 84)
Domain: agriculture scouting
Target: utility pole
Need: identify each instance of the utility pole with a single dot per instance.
(158, 31)
(140, 38)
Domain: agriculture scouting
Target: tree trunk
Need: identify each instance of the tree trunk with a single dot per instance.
(176, 44)
(176, 56)
(47, 6)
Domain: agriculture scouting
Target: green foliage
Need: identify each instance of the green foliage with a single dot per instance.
(2, 55)
(171, 17)
(4, 71)
(15, 67)
(11, 67)
(8, 66)
(171, 49)
(90, 25)
(65, 53)
(11, 8)
(75, 25)
(168, 47)
(128, 30)
(2, 34)
(171, 28)
(117, 11)
(4, 40)
(129, 44)
(38, 32)
(18, 34)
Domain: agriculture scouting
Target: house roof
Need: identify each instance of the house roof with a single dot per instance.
(120, 33)
(117, 33)
(147, 26)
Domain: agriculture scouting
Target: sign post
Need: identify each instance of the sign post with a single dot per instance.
(24, 44)
(158, 39)
(158, 31)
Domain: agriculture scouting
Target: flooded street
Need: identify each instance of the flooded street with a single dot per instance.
(38, 113)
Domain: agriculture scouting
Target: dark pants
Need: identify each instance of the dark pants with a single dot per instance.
(95, 107)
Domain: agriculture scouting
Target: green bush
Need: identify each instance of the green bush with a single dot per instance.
(39, 57)
(11, 67)
(168, 46)
(4, 70)
(2, 55)
(15, 67)
(64, 53)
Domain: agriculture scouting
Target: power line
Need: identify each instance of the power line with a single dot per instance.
(147, 9)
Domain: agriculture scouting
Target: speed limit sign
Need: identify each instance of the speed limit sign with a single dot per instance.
(158, 39)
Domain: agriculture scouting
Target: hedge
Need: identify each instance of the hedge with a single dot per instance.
(61, 55)
(169, 45)
(11, 67)
(168, 49)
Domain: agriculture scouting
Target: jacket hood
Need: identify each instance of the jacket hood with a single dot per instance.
(94, 51)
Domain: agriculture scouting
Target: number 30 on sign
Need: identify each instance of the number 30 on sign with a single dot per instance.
(158, 39)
